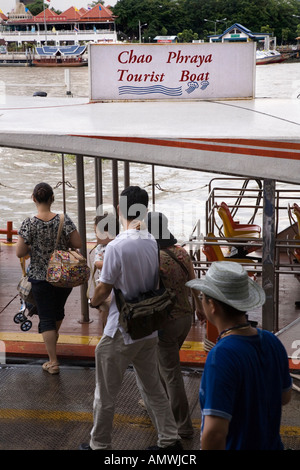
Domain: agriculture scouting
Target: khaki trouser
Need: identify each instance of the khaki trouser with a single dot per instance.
(112, 359)
(171, 338)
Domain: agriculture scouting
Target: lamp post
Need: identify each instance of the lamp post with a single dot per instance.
(45, 24)
(215, 22)
(140, 30)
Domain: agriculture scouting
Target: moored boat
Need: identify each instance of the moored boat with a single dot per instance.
(63, 56)
(270, 56)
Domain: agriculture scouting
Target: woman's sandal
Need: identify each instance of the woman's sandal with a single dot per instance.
(52, 368)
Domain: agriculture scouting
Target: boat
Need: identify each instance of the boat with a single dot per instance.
(270, 56)
(60, 56)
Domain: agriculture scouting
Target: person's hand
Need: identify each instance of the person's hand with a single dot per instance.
(201, 316)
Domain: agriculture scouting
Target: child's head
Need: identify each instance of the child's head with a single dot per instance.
(106, 227)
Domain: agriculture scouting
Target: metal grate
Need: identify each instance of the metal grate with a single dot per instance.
(44, 412)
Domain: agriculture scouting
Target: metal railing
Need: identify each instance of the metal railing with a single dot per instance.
(285, 230)
(57, 33)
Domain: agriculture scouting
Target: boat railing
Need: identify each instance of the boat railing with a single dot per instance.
(244, 199)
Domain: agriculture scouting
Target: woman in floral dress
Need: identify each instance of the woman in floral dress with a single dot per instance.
(176, 269)
(37, 238)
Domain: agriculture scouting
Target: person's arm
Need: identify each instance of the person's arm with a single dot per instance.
(22, 249)
(286, 397)
(102, 291)
(195, 293)
(98, 264)
(75, 240)
(214, 433)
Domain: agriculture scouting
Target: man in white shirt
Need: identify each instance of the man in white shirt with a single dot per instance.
(131, 265)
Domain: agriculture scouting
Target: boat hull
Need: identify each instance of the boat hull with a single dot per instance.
(272, 59)
(52, 63)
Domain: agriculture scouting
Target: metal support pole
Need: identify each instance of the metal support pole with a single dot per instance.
(98, 184)
(126, 175)
(63, 181)
(269, 320)
(115, 184)
(153, 185)
(82, 230)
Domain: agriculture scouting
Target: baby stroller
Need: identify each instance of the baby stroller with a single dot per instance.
(21, 316)
(26, 301)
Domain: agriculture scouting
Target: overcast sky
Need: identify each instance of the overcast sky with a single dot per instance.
(7, 5)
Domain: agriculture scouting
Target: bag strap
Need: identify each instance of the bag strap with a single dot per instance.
(177, 260)
(22, 262)
(93, 271)
(60, 227)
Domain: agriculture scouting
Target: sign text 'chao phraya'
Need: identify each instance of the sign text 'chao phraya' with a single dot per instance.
(129, 57)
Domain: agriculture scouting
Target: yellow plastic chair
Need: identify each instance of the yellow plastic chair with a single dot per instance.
(237, 230)
(296, 212)
(234, 229)
(214, 253)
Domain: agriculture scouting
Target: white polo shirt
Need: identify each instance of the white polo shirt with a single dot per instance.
(131, 265)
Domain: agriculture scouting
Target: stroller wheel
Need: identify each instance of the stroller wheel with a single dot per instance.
(19, 318)
(26, 325)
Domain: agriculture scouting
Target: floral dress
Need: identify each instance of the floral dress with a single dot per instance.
(41, 236)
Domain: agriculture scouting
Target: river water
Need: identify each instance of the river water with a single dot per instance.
(181, 194)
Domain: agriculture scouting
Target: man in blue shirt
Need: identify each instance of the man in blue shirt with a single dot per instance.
(246, 377)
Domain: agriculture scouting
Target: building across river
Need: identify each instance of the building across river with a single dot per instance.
(72, 26)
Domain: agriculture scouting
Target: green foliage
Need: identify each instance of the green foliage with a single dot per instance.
(35, 7)
(178, 17)
(93, 4)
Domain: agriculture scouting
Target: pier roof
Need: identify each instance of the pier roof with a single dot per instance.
(257, 138)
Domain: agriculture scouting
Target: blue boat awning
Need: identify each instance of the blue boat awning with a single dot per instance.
(52, 51)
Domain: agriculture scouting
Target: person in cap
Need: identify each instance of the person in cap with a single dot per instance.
(176, 269)
(246, 377)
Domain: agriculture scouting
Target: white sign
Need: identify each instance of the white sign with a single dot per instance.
(171, 71)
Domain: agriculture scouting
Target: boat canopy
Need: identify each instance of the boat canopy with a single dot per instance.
(257, 138)
(52, 51)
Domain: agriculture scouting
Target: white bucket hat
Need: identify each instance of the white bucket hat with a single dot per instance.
(229, 282)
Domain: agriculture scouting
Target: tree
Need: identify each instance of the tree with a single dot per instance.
(187, 35)
(285, 34)
(36, 7)
(180, 15)
(93, 4)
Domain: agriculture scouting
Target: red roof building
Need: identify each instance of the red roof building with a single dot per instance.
(2, 17)
(72, 26)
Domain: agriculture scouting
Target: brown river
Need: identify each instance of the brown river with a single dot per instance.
(180, 194)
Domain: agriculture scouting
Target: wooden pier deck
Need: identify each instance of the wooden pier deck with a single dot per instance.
(78, 340)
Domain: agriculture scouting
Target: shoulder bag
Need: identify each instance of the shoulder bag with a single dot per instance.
(147, 313)
(24, 286)
(66, 268)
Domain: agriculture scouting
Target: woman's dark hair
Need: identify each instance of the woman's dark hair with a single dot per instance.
(43, 193)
